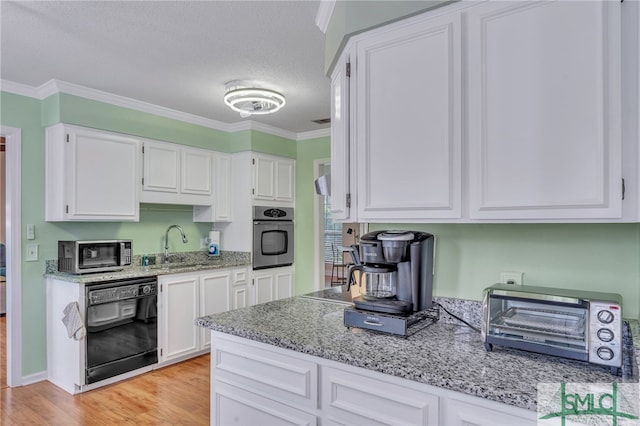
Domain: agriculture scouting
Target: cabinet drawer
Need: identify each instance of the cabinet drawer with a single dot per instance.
(233, 406)
(355, 399)
(271, 374)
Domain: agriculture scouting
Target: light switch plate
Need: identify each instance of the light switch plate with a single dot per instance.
(32, 253)
(31, 231)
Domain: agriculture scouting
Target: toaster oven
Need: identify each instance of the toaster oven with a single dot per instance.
(580, 325)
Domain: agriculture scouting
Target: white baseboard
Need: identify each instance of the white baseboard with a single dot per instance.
(34, 378)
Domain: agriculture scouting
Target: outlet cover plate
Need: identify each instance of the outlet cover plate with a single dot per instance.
(511, 277)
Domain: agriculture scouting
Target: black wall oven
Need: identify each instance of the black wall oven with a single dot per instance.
(122, 330)
(272, 237)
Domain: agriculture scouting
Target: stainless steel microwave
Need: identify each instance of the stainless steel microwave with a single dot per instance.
(581, 325)
(83, 257)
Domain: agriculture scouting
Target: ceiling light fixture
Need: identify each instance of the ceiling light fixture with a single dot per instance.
(248, 100)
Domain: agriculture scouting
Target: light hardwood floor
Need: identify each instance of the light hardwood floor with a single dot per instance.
(174, 395)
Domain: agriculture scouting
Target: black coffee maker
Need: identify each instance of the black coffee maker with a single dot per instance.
(396, 273)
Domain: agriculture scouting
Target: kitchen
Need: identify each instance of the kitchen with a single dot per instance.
(470, 256)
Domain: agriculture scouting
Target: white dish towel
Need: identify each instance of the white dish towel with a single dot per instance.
(73, 321)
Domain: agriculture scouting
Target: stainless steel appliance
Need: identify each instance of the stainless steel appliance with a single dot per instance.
(272, 237)
(581, 325)
(121, 323)
(396, 279)
(82, 257)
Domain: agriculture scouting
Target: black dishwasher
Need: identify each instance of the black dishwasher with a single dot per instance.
(122, 329)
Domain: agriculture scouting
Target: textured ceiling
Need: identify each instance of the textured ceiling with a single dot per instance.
(175, 54)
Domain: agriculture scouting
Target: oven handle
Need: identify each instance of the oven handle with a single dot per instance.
(271, 222)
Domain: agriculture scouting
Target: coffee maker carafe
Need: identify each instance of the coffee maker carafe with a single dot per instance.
(396, 275)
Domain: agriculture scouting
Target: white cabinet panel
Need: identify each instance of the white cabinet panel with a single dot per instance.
(179, 310)
(341, 167)
(544, 110)
(221, 208)
(215, 297)
(161, 167)
(484, 413)
(175, 174)
(356, 399)
(196, 171)
(272, 284)
(233, 406)
(273, 178)
(91, 175)
(409, 121)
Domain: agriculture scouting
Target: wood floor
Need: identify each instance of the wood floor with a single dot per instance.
(174, 395)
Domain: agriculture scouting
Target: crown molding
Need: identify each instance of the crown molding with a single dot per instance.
(325, 10)
(53, 87)
(313, 134)
(18, 89)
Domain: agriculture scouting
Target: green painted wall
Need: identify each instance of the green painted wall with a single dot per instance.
(353, 17)
(597, 257)
(308, 151)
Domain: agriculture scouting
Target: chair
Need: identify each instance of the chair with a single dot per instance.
(338, 266)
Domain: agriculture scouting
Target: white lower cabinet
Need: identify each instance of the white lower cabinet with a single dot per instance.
(272, 284)
(256, 383)
(185, 297)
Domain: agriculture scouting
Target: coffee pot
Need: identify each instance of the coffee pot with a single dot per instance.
(378, 281)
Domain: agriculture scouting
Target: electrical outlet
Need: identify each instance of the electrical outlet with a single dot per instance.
(204, 243)
(31, 231)
(511, 277)
(32, 253)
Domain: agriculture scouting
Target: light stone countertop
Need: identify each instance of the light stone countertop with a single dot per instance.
(445, 355)
(182, 262)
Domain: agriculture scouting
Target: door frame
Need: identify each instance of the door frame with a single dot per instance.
(318, 250)
(13, 184)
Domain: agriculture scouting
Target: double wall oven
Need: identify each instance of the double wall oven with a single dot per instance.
(121, 323)
(272, 237)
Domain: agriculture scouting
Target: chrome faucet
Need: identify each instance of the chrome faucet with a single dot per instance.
(166, 240)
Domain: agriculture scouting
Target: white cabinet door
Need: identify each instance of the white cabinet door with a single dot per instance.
(175, 174)
(340, 140)
(221, 208)
(408, 119)
(264, 178)
(179, 309)
(273, 178)
(272, 284)
(240, 294)
(91, 175)
(215, 297)
(483, 413)
(161, 167)
(544, 110)
(263, 287)
(197, 176)
(285, 180)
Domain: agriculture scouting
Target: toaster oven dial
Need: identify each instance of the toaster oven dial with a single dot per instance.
(605, 335)
(605, 353)
(605, 317)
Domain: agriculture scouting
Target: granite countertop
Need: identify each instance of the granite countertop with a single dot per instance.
(181, 262)
(445, 355)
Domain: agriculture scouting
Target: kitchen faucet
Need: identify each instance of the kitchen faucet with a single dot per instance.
(166, 240)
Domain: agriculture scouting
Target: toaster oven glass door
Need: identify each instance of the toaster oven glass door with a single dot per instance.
(560, 326)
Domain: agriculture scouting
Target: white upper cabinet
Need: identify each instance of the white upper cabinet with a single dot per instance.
(520, 119)
(175, 174)
(544, 110)
(340, 141)
(273, 178)
(409, 122)
(91, 175)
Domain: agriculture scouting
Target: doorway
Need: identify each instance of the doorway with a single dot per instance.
(3, 266)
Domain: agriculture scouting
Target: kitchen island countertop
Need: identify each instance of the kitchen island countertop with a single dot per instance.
(444, 355)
